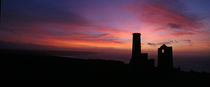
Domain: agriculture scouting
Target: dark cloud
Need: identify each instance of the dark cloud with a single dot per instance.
(153, 44)
(161, 43)
(169, 42)
(172, 25)
(188, 41)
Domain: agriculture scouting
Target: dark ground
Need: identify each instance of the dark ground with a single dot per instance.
(35, 68)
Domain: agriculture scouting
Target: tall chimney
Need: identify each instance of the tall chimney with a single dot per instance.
(139, 61)
(136, 49)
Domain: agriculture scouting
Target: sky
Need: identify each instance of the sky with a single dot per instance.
(106, 26)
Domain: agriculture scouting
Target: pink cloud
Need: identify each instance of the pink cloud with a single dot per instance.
(166, 16)
(177, 34)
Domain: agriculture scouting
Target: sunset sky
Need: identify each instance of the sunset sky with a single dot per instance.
(107, 25)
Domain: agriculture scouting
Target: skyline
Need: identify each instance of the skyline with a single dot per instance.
(107, 24)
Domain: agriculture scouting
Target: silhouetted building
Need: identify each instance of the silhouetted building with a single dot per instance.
(139, 61)
(165, 58)
(151, 63)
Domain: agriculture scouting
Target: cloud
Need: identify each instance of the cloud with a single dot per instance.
(166, 15)
(152, 44)
(161, 43)
(188, 41)
(174, 25)
(41, 12)
(54, 21)
(178, 34)
(170, 42)
(51, 23)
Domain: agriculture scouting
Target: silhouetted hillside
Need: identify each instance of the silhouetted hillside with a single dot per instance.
(38, 67)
